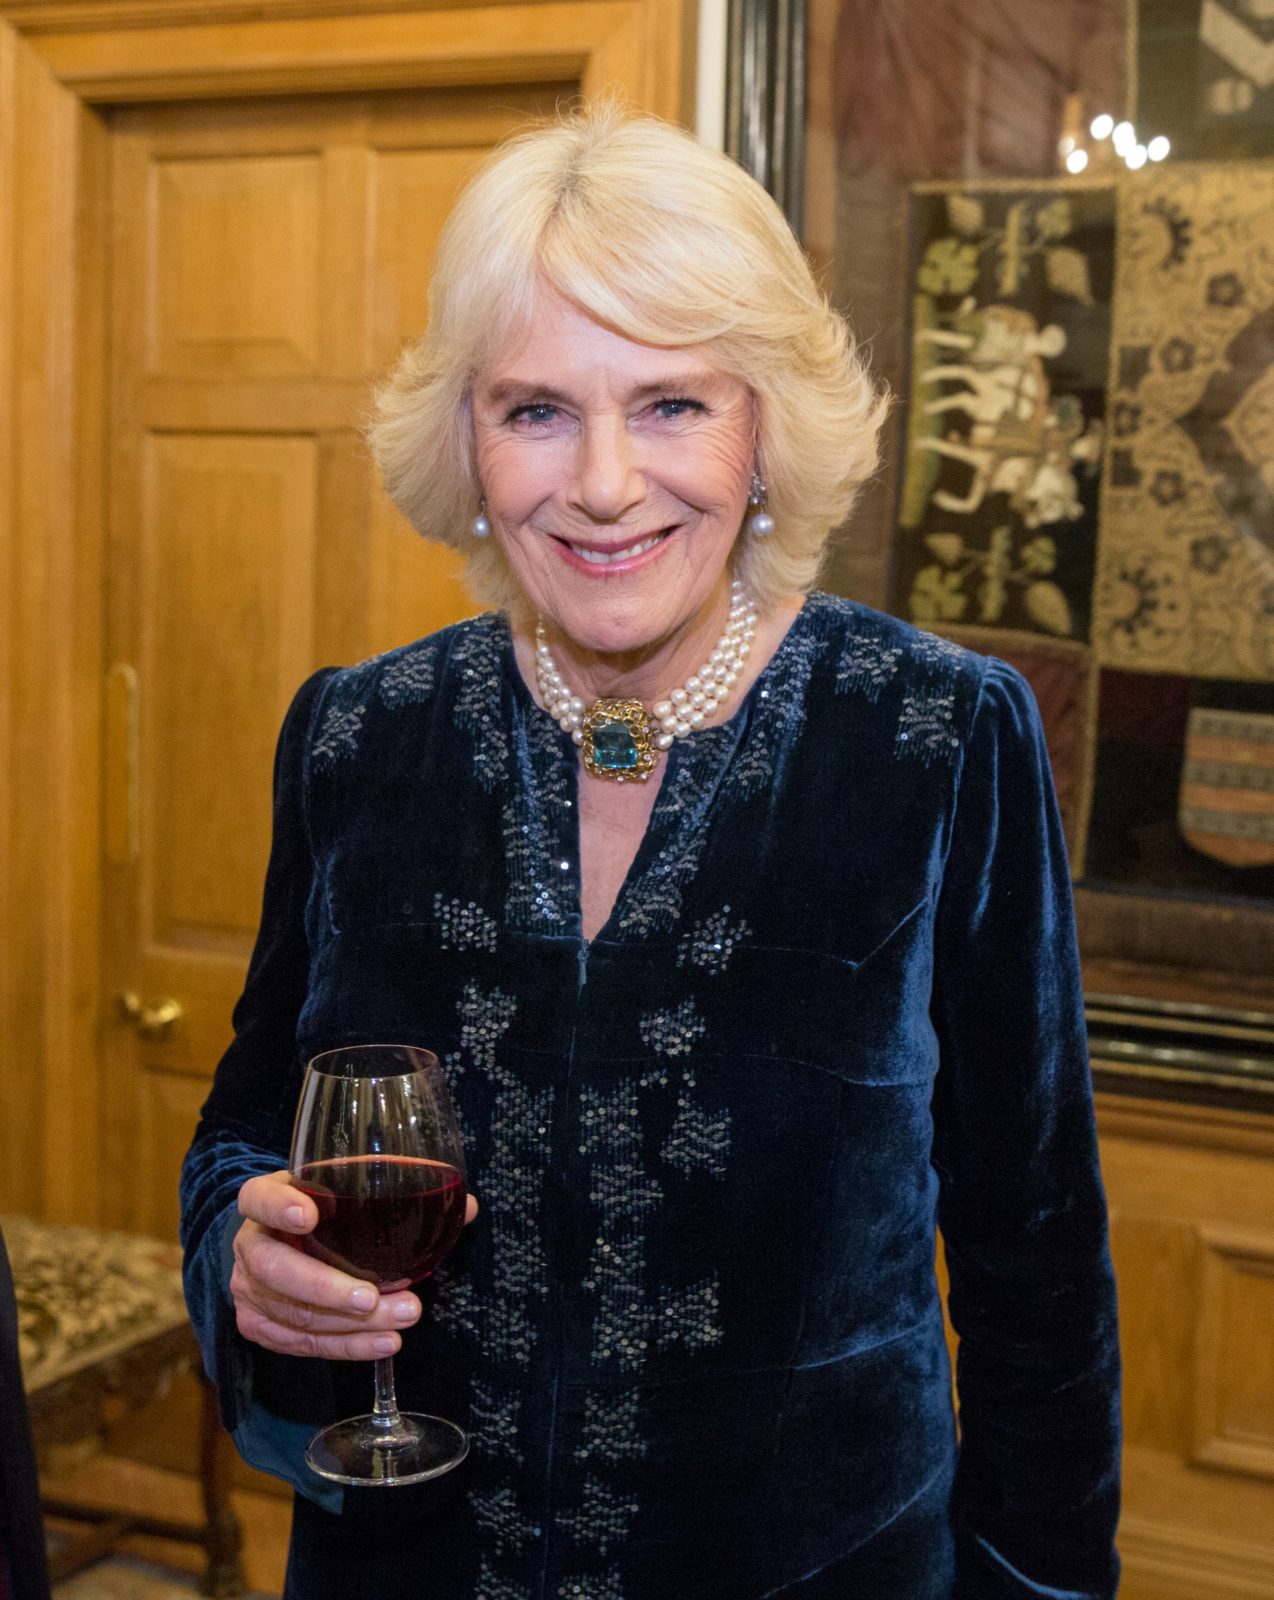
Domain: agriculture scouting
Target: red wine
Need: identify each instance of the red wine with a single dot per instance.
(389, 1219)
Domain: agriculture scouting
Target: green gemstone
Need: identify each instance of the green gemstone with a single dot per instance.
(613, 747)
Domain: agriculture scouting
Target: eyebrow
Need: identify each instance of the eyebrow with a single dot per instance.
(524, 389)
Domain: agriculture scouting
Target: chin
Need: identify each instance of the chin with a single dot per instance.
(612, 641)
(612, 624)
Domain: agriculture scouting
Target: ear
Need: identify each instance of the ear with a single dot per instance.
(758, 453)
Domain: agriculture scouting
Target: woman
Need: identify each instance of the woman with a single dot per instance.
(740, 918)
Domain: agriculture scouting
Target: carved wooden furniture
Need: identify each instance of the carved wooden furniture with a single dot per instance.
(103, 1329)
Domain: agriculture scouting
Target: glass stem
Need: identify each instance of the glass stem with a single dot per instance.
(385, 1417)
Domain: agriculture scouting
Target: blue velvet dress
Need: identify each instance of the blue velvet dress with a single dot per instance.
(695, 1333)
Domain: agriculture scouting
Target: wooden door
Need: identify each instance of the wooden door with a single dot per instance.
(267, 260)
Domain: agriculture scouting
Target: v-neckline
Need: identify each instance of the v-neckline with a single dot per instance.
(677, 757)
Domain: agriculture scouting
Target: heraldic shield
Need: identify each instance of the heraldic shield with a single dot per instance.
(1226, 807)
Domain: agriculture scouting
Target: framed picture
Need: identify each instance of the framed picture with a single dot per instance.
(1000, 460)
(1080, 343)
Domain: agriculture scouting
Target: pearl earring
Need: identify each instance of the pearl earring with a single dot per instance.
(760, 523)
(481, 524)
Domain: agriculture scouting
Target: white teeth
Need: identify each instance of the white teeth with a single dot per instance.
(602, 558)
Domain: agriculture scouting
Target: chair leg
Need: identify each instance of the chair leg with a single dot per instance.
(84, 1549)
(224, 1576)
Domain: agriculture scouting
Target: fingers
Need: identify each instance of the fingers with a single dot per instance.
(277, 1277)
(276, 1203)
(290, 1302)
(287, 1339)
(283, 1271)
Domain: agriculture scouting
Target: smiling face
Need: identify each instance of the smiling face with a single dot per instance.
(616, 477)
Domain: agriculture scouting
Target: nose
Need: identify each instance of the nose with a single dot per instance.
(609, 480)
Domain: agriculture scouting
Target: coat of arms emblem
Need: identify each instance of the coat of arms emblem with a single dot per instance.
(1226, 806)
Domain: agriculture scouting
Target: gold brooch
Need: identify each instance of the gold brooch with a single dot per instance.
(617, 743)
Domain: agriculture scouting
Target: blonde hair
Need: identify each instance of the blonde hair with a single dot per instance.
(666, 242)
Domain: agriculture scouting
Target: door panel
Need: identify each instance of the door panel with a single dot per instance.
(414, 191)
(268, 260)
(234, 266)
(228, 552)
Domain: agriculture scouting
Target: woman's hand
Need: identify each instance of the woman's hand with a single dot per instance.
(289, 1302)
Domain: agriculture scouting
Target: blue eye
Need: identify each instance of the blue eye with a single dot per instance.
(678, 406)
(537, 412)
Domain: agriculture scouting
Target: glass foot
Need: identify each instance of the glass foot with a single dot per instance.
(357, 1451)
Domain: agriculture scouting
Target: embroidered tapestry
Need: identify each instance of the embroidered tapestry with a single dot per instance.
(1006, 401)
(1183, 798)
(1206, 76)
(1186, 575)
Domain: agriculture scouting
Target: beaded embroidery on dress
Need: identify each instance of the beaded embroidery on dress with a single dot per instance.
(408, 679)
(635, 1108)
(634, 1318)
(479, 652)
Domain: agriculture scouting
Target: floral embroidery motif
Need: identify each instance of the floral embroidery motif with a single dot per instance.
(536, 821)
(512, 1183)
(689, 1316)
(484, 1017)
(463, 926)
(498, 1517)
(932, 650)
(491, 1586)
(741, 758)
(611, 1431)
(478, 653)
(673, 1032)
(698, 1140)
(630, 1322)
(510, 1164)
(712, 941)
(659, 903)
(453, 1302)
(866, 665)
(408, 680)
(513, 1187)
(603, 1517)
(924, 726)
(495, 1421)
(653, 902)
(778, 716)
(338, 737)
(753, 770)
(623, 1189)
(625, 1194)
(926, 722)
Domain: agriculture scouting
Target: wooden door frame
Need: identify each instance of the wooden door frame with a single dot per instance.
(61, 60)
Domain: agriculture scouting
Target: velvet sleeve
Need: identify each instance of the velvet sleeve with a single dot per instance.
(1021, 1205)
(245, 1125)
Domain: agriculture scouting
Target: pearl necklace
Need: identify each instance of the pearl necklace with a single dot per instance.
(616, 737)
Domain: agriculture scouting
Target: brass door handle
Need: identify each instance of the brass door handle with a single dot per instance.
(152, 1021)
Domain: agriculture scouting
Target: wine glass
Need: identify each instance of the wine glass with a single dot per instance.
(376, 1145)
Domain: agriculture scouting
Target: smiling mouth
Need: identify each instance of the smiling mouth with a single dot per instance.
(604, 558)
